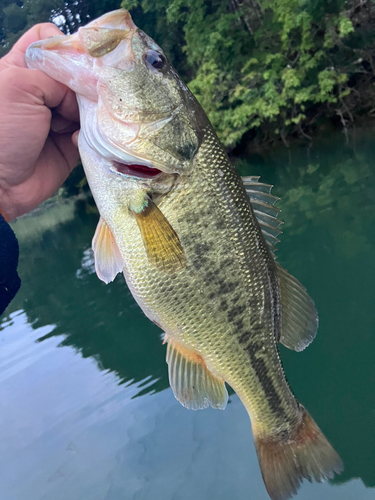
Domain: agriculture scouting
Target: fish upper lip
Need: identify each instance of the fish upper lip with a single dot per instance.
(69, 43)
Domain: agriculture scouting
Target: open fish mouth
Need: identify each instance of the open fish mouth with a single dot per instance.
(136, 170)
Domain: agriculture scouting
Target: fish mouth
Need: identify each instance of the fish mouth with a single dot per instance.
(136, 170)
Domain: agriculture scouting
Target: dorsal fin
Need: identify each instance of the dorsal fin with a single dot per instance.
(299, 318)
(263, 204)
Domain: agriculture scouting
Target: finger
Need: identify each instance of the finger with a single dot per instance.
(33, 87)
(68, 108)
(61, 125)
(75, 138)
(51, 174)
(16, 57)
(52, 170)
(69, 152)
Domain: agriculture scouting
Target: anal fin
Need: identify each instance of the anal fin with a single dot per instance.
(193, 385)
(299, 318)
(108, 260)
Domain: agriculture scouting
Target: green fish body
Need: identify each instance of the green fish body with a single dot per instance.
(193, 240)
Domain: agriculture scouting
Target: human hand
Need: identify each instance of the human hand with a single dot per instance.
(37, 119)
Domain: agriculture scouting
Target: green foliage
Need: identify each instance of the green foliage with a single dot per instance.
(15, 18)
(273, 66)
(269, 64)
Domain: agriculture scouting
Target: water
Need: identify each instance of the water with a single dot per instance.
(86, 412)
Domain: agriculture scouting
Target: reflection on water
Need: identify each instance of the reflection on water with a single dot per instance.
(328, 204)
(77, 420)
(98, 320)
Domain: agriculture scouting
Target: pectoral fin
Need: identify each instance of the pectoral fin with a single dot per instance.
(108, 260)
(162, 244)
(193, 385)
(299, 318)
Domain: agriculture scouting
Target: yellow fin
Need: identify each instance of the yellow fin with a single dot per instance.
(162, 245)
(108, 260)
(193, 385)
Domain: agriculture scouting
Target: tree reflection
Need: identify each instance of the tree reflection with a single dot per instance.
(60, 287)
(328, 208)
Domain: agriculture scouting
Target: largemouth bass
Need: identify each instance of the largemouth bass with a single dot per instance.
(195, 241)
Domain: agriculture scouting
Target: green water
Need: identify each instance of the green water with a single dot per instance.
(86, 412)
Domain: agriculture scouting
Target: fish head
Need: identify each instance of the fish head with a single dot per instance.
(135, 110)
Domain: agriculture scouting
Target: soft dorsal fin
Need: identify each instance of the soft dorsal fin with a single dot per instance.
(162, 244)
(108, 260)
(299, 318)
(263, 204)
(193, 385)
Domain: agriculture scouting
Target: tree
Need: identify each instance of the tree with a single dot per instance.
(275, 66)
(270, 67)
(18, 16)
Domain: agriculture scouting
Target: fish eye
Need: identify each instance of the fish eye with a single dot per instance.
(155, 59)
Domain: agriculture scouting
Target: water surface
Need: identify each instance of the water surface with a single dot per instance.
(86, 412)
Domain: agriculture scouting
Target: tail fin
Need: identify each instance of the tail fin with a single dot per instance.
(284, 464)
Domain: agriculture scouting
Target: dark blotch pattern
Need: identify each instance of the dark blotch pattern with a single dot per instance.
(239, 324)
(223, 305)
(186, 151)
(226, 287)
(244, 337)
(260, 368)
(220, 224)
(283, 435)
(198, 264)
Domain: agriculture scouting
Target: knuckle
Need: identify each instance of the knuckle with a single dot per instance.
(46, 30)
(19, 85)
(7, 61)
(40, 26)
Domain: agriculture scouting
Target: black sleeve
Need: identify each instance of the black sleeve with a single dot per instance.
(9, 280)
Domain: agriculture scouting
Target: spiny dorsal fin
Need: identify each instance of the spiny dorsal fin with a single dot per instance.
(162, 244)
(299, 318)
(265, 211)
(193, 385)
(108, 260)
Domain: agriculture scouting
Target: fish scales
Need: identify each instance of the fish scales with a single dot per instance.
(236, 272)
(177, 221)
